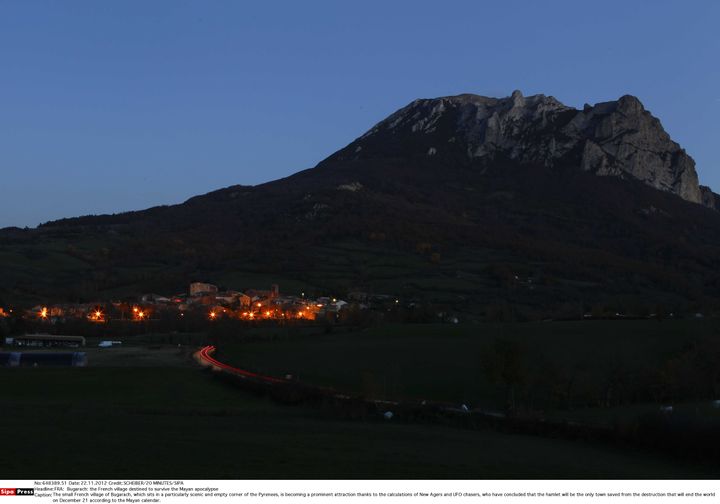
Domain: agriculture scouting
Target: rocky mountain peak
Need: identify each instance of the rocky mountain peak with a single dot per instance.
(517, 98)
(616, 138)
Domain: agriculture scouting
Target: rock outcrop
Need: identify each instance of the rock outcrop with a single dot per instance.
(709, 198)
(618, 138)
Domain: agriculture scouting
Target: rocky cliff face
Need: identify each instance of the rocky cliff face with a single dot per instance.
(709, 198)
(618, 138)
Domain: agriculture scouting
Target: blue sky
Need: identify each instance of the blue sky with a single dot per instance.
(121, 105)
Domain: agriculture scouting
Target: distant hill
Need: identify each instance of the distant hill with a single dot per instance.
(515, 205)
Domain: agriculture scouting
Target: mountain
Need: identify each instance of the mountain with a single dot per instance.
(482, 205)
(618, 138)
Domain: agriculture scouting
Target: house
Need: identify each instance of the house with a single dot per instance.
(154, 298)
(230, 297)
(198, 288)
(244, 300)
(336, 306)
(273, 293)
(206, 300)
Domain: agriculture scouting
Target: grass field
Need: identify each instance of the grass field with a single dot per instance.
(448, 362)
(179, 422)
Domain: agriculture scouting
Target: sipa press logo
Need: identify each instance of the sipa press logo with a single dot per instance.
(16, 491)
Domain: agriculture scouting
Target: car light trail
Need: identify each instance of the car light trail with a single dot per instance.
(204, 354)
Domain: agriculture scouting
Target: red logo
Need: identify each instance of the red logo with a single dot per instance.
(7, 491)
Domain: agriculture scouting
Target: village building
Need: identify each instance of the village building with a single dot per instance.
(200, 288)
(232, 297)
(154, 298)
(205, 300)
(256, 294)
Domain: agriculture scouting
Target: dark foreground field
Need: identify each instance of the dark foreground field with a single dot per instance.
(544, 366)
(163, 422)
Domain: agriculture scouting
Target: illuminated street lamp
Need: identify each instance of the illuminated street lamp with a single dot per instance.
(97, 316)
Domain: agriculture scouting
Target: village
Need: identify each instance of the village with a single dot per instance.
(203, 300)
(206, 301)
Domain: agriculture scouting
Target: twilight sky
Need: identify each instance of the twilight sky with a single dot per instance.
(121, 105)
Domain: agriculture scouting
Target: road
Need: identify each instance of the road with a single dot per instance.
(205, 358)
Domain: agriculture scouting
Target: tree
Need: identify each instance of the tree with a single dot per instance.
(504, 363)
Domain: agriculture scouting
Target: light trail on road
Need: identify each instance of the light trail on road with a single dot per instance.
(204, 356)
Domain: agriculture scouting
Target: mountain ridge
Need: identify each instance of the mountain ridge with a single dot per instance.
(615, 138)
(593, 159)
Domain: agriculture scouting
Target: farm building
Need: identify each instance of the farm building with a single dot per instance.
(48, 341)
(43, 359)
